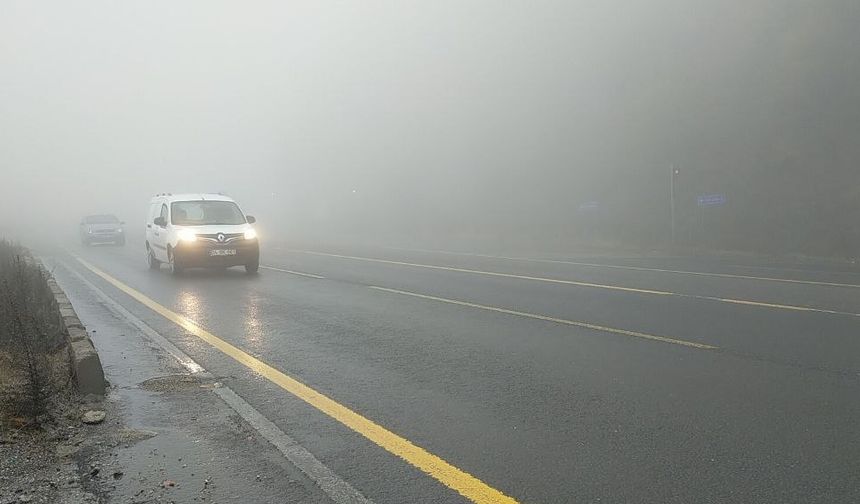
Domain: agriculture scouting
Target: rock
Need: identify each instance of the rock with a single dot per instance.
(65, 450)
(92, 417)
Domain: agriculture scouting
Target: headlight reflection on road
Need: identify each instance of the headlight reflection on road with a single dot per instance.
(191, 306)
(253, 324)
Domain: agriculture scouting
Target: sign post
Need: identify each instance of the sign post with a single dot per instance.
(705, 201)
(673, 175)
(589, 213)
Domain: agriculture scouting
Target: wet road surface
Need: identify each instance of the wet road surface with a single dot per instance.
(564, 379)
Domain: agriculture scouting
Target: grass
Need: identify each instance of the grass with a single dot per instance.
(34, 367)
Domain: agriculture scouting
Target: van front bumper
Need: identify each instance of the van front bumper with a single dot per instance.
(200, 254)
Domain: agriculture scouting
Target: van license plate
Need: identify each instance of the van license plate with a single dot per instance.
(222, 252)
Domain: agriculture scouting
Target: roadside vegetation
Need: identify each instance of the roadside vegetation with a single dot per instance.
(34, 359)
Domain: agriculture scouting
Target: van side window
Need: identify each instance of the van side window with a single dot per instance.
(164, 212)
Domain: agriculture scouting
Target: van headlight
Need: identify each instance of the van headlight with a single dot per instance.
(186, 235)
(250, 234)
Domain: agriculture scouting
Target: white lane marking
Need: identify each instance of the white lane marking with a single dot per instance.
(746, 302)
(656, 270)
(796, 270)
(490, 273)
(584, 325)
(291, 272)
(338, 490)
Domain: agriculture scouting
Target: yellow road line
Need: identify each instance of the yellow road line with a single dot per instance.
(585, 325)
(746, 302)
(642, 268)
(291, 272)
(456, 479)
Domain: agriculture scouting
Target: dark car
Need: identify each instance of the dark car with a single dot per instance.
(104, 228)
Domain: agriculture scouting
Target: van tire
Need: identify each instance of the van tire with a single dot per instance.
(175, 268)
(252, 267)
(153, 263)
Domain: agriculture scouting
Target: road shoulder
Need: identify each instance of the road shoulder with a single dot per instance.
(168, 435)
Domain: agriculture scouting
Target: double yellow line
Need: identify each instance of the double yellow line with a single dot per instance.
(456, 479)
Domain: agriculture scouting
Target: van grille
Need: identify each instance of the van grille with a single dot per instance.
(213, 237)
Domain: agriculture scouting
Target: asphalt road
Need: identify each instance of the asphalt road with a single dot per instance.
(586, 379)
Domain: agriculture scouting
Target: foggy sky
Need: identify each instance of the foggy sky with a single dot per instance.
(409, 118)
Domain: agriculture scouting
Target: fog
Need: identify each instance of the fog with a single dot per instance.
(479, 125)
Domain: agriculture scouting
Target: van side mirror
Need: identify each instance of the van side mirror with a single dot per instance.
(159, 221)
(251, 219)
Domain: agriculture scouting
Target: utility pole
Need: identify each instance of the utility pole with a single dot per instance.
(673, 174)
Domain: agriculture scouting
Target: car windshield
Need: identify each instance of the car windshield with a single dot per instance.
(101, 219)
(204, 213)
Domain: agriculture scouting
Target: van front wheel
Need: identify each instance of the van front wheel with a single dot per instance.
(175, 266)
(151, 261)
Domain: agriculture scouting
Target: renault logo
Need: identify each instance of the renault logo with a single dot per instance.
(221, 237)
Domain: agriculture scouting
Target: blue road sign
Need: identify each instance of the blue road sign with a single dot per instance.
(706, 200)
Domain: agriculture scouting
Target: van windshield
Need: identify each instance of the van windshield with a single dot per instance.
(205, 213)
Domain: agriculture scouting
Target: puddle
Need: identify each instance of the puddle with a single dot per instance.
(133, 436)
(173, 383)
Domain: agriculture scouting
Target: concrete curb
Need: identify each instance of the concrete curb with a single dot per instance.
(86, 366)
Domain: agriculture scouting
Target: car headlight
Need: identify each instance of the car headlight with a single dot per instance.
(119, 230)
(250, 234)
(186, 235)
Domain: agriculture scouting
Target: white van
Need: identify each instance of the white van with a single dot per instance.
(200, 230)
